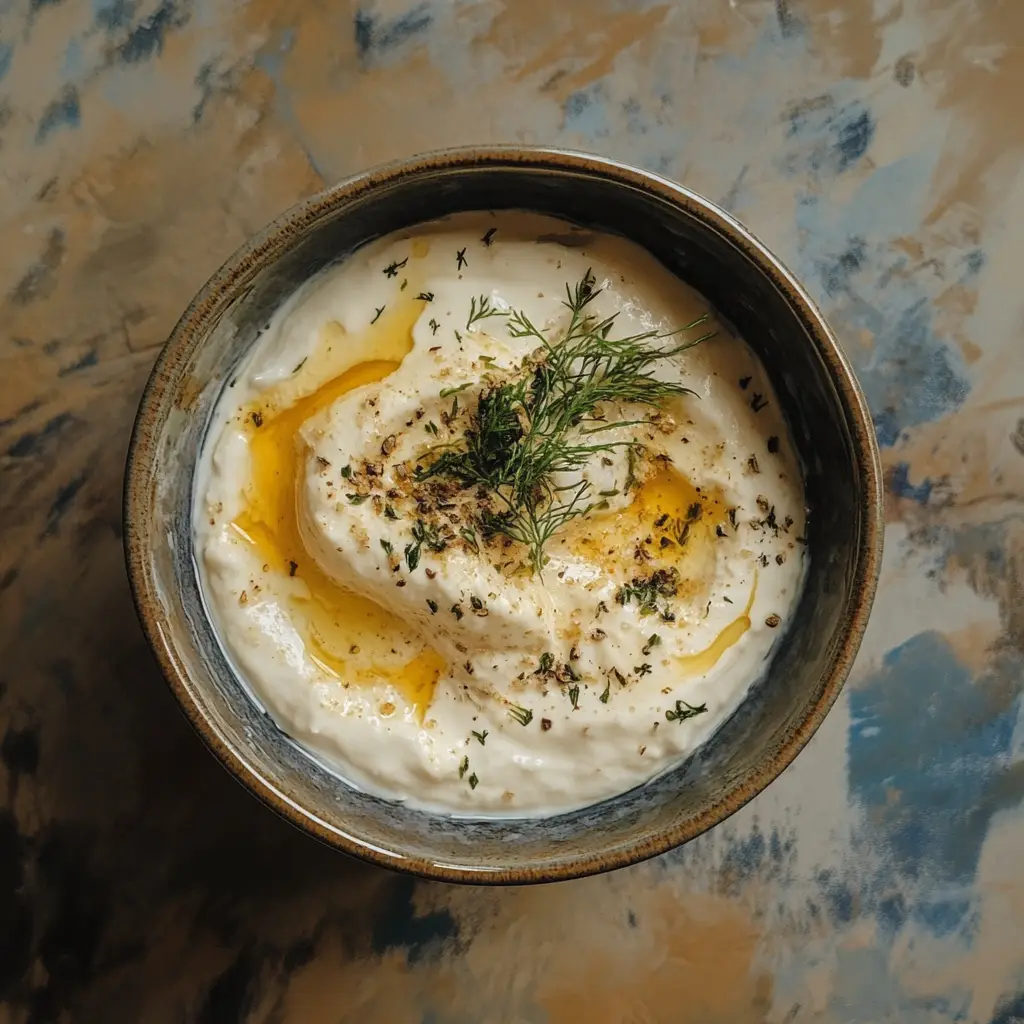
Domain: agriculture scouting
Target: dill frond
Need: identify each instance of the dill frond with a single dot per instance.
(481, 309)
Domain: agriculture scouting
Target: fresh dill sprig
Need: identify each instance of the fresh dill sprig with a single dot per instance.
(482, 309)
(540, 427)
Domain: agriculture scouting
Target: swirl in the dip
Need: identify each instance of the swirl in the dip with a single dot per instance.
(498, 517)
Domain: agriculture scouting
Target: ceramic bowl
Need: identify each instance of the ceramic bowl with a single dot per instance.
(706, 248)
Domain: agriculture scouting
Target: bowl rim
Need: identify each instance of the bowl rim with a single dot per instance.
(275, 238)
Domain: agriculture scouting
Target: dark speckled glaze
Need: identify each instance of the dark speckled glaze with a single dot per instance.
(706, 248)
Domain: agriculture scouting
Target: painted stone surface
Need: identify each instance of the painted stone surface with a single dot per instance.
(876, 146)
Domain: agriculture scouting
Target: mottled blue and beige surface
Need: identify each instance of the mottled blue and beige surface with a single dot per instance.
(877, 147)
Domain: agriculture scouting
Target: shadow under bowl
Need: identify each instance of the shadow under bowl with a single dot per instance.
(704, 247)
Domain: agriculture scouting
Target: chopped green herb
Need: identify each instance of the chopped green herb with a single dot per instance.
(357, 499)
(481, 736)
(574, 696)
(642, 670)
(547, 663)
(684, 711)
(387, 546)
(607, 692)
(468, 534)
(524, 716)
(489, 235)
(652, 641)
(460, 259)
(300, 365)
(392, 269)
(631, 463)
(425, 296)
(473, 781)
(431, 428)
(432, 605)
(390, 513)
(346, 471)
(446, 392)
(434, 325)
(457, 611)
(293, 568)
(646, 590)
(422, 534)
(463, 766)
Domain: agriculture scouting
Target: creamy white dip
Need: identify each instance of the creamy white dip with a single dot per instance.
(374, 617)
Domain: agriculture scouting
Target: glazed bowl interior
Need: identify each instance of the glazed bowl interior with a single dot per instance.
(703, 247)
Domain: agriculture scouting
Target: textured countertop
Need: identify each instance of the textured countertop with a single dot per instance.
(876, 147)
